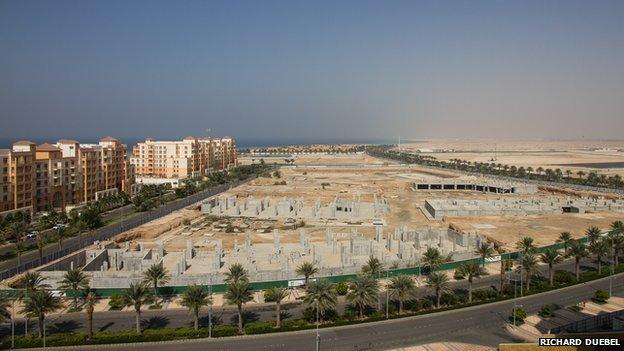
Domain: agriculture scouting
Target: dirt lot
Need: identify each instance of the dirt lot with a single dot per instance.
(310, 182)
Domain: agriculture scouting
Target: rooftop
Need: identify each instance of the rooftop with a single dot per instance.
(23, 143)
(47, 147)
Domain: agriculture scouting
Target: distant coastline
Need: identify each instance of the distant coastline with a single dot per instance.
(5, 143)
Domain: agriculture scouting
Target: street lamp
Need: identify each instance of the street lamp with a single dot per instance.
(318, 336)
(210, 308)
(387, 296)
(612, 268)
(13, 325)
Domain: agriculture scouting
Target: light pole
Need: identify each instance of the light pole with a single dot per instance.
(514, 305)
(387, 296)
(210, 308)
(612, 268)
(318, 336)
(521, 268)
(13, 325)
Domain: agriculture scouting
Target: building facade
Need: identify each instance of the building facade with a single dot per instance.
(187, 158)
(62, 174)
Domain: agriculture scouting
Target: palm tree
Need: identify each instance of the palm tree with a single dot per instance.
(402, 288)
(18, 229)
(32, 281)
(503, 266)
(439, 283)
(566, 239)
(617, 241)
(156, 274)
(38, 304)
(528, 264)
(238, 292)
(4, 307)
(279, 294)
(137, 295)
(235, 273)
(90, 300)
(73, 281)
(578, 251)
(40, 245)
(321, 295)
(485, 251)
(593, 233)
(363, 292)
(194, 298)
(373, 267)
(432, 258)
(62, 234)
(617, 228)
(551, 257)
(600, 248)
(470, 270)
(526, 245)
(307, 270)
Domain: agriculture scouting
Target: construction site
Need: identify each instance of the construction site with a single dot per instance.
(337, 216)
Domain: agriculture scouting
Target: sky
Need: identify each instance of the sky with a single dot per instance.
(312, 70)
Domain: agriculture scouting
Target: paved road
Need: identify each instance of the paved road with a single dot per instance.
(479, 324)
(124, 320)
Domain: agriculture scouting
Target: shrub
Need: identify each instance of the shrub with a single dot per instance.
(486, 294)
(451, 299)
(259, 327)
(269, 296)
(545, 311)
(564, 277)
(116, 302)
(342, 288)
(425, 304)
(600, 296)
(458, 275)
(309, 314)
(520, 316)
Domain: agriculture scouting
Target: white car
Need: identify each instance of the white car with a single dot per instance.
(32, 234)
(59, 226)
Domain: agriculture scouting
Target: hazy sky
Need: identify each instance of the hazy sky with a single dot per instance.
(312, 69)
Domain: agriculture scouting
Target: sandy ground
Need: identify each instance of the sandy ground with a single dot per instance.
(546, 154)
(358, 176)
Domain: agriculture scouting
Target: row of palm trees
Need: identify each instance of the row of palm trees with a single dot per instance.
(591, 178)
(320, 294)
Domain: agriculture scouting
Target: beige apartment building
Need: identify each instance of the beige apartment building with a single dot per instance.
(187, 158)
(57, 178)
(6, 203)
(62, 174)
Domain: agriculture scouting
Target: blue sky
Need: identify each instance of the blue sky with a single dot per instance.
(312, 69)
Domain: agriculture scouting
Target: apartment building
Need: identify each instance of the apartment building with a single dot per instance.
(22, 174)
(187, 158)
(57, 179)
(6, 202)
(62, 174)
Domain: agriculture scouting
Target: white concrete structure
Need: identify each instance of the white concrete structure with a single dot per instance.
(440, 208)
(341, 209)
(205, 261)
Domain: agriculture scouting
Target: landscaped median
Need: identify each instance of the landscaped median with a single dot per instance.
(412, 308)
